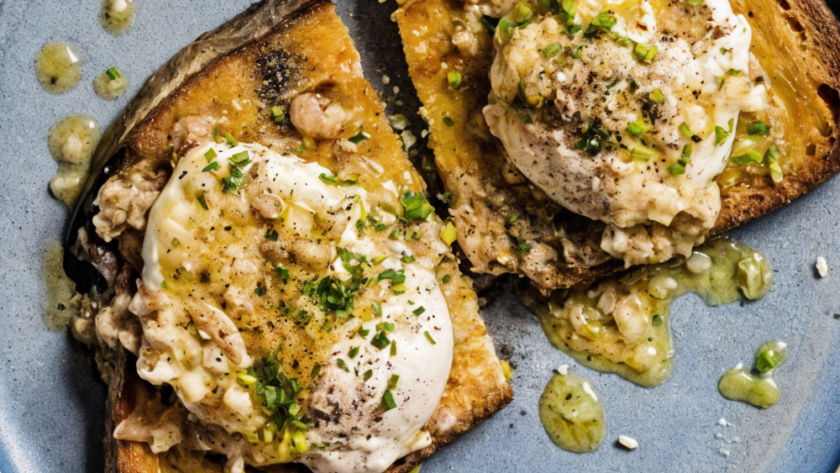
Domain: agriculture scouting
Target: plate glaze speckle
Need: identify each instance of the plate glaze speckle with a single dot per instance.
(52, 402)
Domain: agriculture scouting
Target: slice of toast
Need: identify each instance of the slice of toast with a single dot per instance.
(796, 44)
(261, 59)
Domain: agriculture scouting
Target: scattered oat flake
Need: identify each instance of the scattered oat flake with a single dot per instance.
(628, 442)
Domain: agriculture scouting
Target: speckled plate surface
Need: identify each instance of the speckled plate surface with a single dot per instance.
(52, 402)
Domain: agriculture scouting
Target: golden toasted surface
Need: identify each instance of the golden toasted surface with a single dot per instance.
(796, 45)
(315, 53)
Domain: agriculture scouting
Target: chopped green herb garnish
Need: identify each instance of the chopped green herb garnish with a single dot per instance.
(685, 130)
(447, 278)
(341, 364)
(113, 73)
(368, 374)
(316, 370)
(353, 352)
(229, 139)
(657, 96)
(377, 308)
(358, 137)
(676, 169)
(271, 235)
(380, 340)
(202, 201)
(448, 122)
(277, 114)
(657, 320)
(210, 155)
(552, 49)
(419, 310)
(392, 383)
(635, 129)
(214, 166)
(487, 22)
(640, 153)
(644, 52)
(175, 242)
(429, 337)
(772, 154)
(767, 360)
(605, 20)
(396, 276)
(385, 327)
(524, 13)
(525, 247)
(364, 332)
(163, 284)
(687, 150)
(394, 348)
(260, 291)
(234, 181)
(283, 273)
(748, 156)
(416, 207)
(388, 402)
(454, 79)
(758, 128)
(721, 135)
(526, 119)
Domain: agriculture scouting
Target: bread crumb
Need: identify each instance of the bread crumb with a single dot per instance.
(628, 442)
(822, 267)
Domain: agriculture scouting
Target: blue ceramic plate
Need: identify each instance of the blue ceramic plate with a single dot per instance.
(52, 402)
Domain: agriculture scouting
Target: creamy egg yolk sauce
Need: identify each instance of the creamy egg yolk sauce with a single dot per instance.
(624, 112)
(290, 314)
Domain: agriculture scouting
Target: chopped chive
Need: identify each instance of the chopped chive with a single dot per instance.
(367, 375)
(429, 337)
(526, 119)
(341, 364)
(721, 135)
(676, 169)
(392, 383)
(490, 27)
(747, 157)
(758, 128)
(175, 243)
(552, 49)
(454, 79)
(378, 259)
(385, 327)
(328, 179)
(448, 122)
(657, 320)
(202, 201)
(230, 140)
(364, 332)
(316, 370)
(525, 247)
(388, 402)
(657, 96)
(731, 124)
(283, 273)
(260, 291)
(277, 114)
(380, 340)
(272, 235)
(635, 129)
(113, 73)
(163, 284)
(210, 155)
(394, 348)
(377, 308)
(685, 130)
(398, 289)
(380, 227)
(395, 234)
(772, 154)
(447, 278)
(408, 259)
(687, 149)
(419, 310)
(353, 352)
(214, 166)
(640, 153)
(358, 137)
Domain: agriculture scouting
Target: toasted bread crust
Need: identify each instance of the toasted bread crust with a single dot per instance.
(476, 387)
(488, 192)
